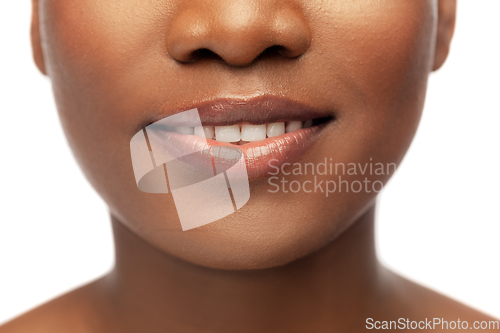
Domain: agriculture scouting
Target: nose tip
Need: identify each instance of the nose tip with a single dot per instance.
(237, 33)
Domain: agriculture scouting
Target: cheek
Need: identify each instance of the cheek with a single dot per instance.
(98, 53)
(375, 60)
(92, 49)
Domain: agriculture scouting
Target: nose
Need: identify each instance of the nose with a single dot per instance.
(238, 31)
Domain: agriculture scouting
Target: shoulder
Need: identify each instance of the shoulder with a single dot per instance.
(447, 313)
(71, 312)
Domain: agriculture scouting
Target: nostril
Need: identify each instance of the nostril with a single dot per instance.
(207, 54)
(273, 52)
(204, 53)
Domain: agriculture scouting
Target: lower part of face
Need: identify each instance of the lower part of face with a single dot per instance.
(367, 62)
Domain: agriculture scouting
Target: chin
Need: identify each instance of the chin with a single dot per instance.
(259, 236)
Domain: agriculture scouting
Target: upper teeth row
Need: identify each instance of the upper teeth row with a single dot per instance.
(235, 133)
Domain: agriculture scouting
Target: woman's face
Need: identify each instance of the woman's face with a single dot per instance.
(118, 65)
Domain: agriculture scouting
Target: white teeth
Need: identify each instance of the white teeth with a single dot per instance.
(185, 130)
(308, 123)
(275, 129)
(244, 133)
(292, 126)
(227, 133)
(205, 131)
(253, 132)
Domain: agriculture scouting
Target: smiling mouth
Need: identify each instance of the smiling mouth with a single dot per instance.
(269, 131)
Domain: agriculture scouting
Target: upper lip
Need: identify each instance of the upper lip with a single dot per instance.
(257, 110)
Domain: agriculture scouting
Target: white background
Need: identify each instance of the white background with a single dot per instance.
(438, 220)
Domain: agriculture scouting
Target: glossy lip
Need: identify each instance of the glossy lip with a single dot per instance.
(288, 147)
(258, 110)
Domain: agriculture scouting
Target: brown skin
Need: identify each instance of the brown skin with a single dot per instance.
(283, 263)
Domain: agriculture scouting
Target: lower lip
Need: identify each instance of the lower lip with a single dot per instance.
(261, 157)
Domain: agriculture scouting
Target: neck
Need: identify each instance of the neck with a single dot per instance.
(335, 287)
